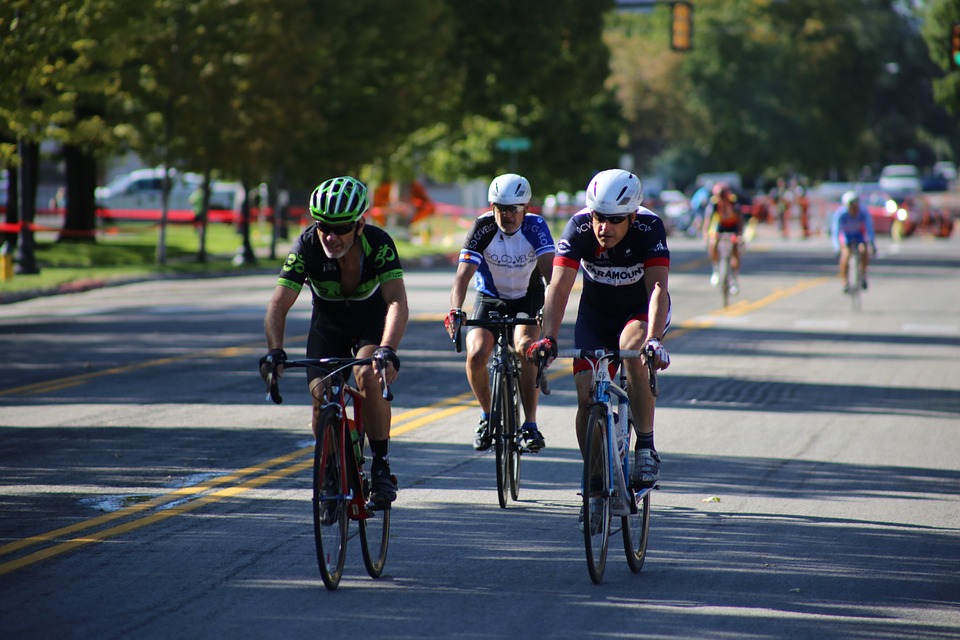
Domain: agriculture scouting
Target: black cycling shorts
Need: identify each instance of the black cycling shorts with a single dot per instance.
(530, 304)
(341, 336)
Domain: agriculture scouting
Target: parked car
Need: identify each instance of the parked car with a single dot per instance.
(900, 179)
(903, 217)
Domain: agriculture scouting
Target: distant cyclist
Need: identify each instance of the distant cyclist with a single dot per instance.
(508, 254)
(723, 216)
(359, 307)
(852, 227)
(622, 248)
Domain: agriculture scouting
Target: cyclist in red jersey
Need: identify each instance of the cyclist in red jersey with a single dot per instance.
(723, 216)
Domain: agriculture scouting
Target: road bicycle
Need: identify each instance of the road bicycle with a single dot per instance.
(505, 399)
(605, 487)
(341, 485)
(724, 265)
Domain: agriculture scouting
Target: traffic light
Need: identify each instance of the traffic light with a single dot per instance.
(681, 26)
(955, 46)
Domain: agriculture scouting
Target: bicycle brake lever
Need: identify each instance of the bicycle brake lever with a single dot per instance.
(273, 386)
(542, 379)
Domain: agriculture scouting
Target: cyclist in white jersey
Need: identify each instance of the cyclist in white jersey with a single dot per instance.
(508, 254)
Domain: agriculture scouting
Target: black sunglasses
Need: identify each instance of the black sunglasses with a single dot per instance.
(337, 229)
(508, 208)
(609, 219)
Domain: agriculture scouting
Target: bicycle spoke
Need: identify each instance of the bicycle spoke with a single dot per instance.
(329, 505)
(596, 499)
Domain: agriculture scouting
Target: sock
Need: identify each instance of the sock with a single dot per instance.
(645, 441)
(528, 425)
(381, 450)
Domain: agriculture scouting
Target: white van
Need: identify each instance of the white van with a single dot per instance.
(142, 189)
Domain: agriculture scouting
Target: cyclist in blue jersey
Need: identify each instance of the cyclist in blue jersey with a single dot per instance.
(359, 307)
(622, 249)
(852, 229)
(508, 254)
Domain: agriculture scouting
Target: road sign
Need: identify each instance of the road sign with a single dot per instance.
(513, 144)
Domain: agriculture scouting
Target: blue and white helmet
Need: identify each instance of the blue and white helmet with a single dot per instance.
(614, 192)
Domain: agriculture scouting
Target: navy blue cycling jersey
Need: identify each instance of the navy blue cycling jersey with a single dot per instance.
(507, 264)
(613, 278)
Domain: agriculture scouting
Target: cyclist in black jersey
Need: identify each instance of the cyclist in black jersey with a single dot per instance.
(622, 248)
(508, 254)
(359, 307)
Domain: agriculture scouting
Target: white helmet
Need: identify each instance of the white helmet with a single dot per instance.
(509, 189)
(614, 192)
(849, 197)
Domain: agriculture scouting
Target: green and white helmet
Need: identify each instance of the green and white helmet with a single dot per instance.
(339, 200)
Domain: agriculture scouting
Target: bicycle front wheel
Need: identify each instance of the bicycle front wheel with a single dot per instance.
(329, 499)
(374, 535)
(513, 446)
(725, 276)
(636, 526)
(855, 279)
(499, 420)
(596, 496)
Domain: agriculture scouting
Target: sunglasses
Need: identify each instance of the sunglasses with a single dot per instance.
(337, 229)
(508, 208)
(609, 219)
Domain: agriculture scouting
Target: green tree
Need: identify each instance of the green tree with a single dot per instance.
(940, 15)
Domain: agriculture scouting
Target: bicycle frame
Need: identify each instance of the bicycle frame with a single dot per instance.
(505, 387)
(341, 497)
(615, 496)
(613, 397)
(724, 265)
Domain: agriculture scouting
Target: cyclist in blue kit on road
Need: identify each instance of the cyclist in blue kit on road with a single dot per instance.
(622, 249)
(359, 308)
(508, 254)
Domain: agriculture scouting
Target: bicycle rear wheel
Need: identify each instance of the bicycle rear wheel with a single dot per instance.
(724, 272)
(499, 417)
(374, 534)
(636, 527)
(329, 500)
(596, 498)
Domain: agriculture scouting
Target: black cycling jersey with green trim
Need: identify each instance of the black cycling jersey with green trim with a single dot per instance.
(307, 263)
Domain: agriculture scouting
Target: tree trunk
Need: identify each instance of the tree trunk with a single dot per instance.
(80, 221)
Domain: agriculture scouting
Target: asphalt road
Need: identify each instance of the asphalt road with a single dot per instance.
(810, 480)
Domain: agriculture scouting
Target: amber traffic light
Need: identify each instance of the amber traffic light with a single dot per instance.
(681, 26)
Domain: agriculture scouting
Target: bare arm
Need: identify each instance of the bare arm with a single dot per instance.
(458, 292)
(395, 295)
(659, 308)
(561, 284)
(274, 324)
(545, 265)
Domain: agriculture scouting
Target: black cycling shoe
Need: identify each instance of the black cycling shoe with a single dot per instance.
(482, 439)
(532, 439)
(384, 485)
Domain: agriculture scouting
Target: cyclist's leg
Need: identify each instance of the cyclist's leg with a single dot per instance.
(479, 348)
(844, 263)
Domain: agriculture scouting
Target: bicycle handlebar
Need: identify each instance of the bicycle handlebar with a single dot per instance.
(330, 367)
(625, 354)
(489, 323)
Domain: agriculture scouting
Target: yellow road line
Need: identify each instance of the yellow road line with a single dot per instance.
(50, 552)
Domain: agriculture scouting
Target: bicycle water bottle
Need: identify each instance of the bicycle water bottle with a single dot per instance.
(355, 438)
